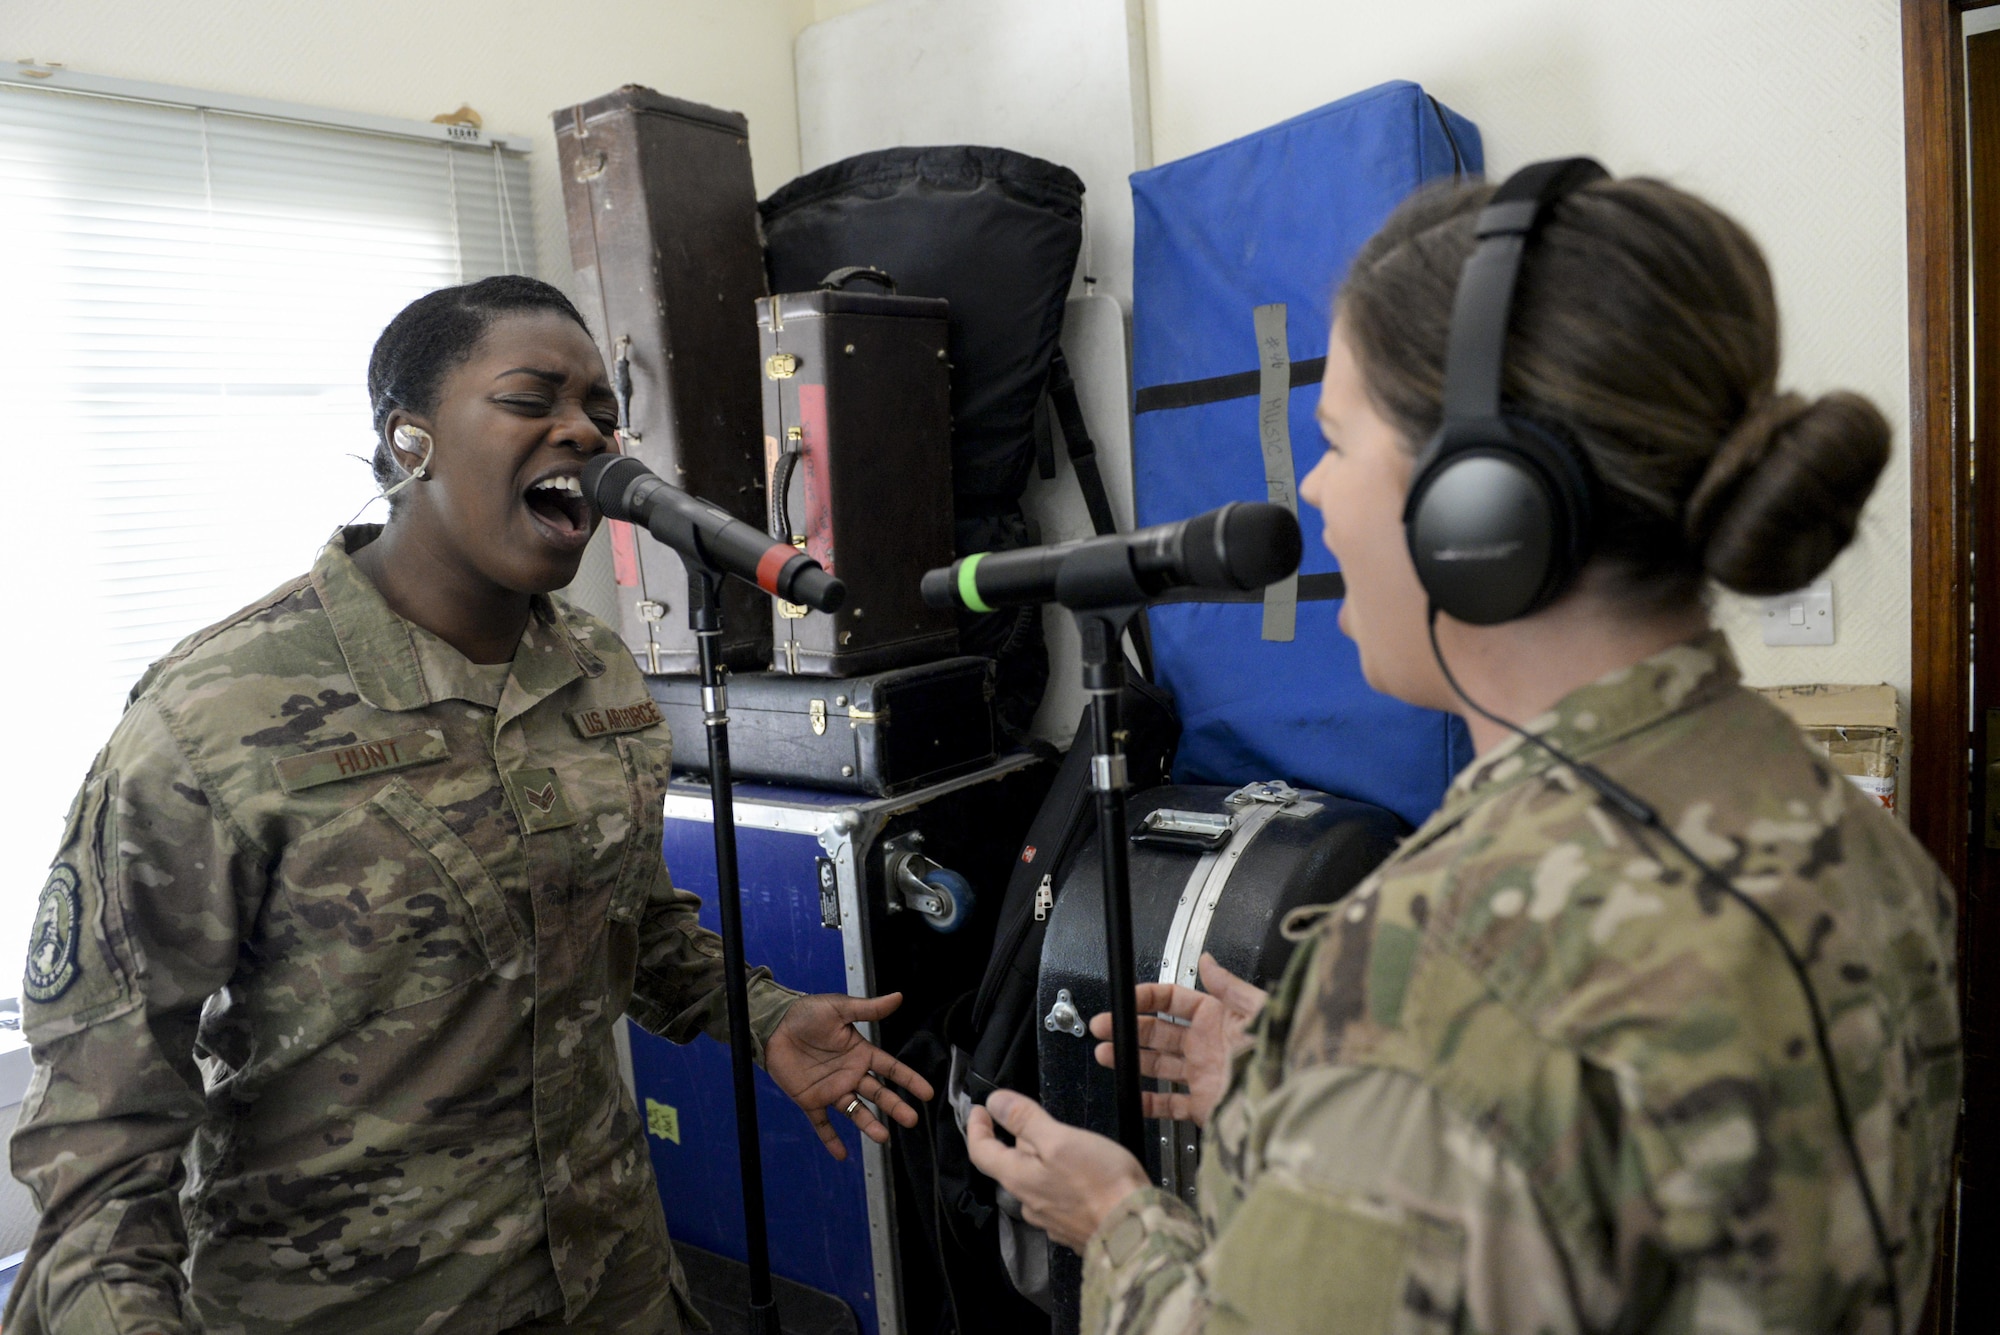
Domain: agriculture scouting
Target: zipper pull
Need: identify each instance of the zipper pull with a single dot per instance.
(1045, 897)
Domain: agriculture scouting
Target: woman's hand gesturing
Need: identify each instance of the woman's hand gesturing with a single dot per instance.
(821, 1060)
(1196, 1051)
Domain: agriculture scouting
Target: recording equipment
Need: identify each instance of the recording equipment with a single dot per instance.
(623, 488)
(1498, 522)
(1242, 545)
(1498, 517)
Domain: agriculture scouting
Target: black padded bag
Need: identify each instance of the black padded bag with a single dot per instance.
(996, 233)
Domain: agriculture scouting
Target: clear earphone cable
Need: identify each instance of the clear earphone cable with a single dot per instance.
(1642, 817)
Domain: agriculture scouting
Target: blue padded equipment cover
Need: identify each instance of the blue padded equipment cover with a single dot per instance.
(1275, 216)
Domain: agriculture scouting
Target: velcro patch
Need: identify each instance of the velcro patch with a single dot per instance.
(52, 940)
(298, 773)
(609, 720)
(538, 799)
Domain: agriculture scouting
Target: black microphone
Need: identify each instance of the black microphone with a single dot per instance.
(1243, 545)
(623, 488)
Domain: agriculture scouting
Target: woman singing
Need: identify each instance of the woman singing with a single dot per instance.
(325, 975)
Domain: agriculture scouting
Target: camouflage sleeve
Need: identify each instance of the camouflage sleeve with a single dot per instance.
(678, 991)
(1374, 1208)
(137, 927)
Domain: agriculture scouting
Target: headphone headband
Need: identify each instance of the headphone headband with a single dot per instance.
(1499, 512)
(1475, 356)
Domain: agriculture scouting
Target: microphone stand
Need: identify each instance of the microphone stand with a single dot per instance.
(1103, 594)
(705, 618)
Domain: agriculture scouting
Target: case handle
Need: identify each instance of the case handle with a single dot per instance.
(840, 278)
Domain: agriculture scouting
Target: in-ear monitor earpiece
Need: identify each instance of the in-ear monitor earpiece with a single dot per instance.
(412, 439)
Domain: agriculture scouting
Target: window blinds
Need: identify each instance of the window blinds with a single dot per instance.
(191, 299)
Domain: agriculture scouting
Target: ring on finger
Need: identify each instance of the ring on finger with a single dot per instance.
(852, 1104)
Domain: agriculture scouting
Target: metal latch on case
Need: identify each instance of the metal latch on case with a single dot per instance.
(1275, 791)
(816, 714)
(1064, 1018)
(1288, 801)
(781, 365)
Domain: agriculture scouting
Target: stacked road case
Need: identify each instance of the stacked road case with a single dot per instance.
(833, 901)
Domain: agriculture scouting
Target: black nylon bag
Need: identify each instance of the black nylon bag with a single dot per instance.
(995, 233)
(987, 1037)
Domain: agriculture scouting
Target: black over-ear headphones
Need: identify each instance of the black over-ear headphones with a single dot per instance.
(1499, 513)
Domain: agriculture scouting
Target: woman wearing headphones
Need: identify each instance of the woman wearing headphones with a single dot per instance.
(1652, 1026)
(323, 986)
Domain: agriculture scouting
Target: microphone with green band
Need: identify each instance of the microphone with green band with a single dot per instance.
(1242, 545)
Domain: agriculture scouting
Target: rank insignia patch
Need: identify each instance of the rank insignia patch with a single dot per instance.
(52, 943)
(538, 799)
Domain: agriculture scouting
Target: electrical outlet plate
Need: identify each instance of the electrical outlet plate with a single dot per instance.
(1804, 616)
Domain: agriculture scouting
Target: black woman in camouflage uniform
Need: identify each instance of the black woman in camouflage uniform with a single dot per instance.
(1537, 1075)
(327, 970)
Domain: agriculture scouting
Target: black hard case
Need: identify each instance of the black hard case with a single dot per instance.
(884, 734)
(663, 233)
(857, 383)
(1309, 851)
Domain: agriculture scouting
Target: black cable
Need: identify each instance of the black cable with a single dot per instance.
(1642, 816)
(925, 1131)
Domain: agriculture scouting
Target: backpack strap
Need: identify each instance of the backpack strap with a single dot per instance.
(1082, 450)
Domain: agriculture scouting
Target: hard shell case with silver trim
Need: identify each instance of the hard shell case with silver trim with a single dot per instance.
(1286, 848)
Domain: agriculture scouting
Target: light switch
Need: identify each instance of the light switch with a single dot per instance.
(1801, 617)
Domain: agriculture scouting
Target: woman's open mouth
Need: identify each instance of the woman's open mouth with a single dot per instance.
(557, 506)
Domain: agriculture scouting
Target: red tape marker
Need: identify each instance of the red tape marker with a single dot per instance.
(771, 564)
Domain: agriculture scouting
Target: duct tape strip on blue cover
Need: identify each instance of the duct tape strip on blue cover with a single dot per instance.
(1273, 219)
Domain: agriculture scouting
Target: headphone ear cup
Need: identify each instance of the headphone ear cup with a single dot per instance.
(1498, 521)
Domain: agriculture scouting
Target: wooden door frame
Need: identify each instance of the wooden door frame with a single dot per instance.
(1941, 788)
(1937, 779)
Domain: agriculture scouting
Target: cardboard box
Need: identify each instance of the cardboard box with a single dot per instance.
(1857, 728)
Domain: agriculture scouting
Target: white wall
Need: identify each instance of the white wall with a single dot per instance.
(1786, 113)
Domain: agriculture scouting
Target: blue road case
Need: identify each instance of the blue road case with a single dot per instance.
(825, 909)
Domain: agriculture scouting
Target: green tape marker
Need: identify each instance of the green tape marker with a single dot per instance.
(968, 592)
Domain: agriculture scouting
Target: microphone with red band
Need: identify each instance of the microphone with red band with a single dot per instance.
(623, 488)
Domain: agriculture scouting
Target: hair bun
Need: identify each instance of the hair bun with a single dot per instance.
(1784, 491)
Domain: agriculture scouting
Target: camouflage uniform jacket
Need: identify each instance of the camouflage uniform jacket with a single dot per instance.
(1529, 1078)
(349, 920)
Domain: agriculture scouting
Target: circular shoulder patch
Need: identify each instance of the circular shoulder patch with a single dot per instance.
(52, 943)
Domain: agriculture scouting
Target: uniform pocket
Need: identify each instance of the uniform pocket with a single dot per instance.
(1292, 1262)
(390, 908)
(646, 765)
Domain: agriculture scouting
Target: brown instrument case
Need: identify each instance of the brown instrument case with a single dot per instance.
(857, 437)
(663, 234)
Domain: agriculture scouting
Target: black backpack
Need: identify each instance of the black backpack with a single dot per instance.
(996, 233)
(986, 1040)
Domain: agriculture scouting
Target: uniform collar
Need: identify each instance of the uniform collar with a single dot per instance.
(1589, 719)
(387, 663)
